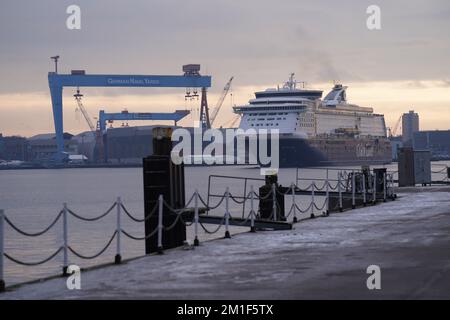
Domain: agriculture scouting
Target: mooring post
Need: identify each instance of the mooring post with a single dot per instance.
(160, 223)
(252, 212)
(293, 203)
(364, 189)
(353, 190)
(327, 211)
(196, 242)
(2, 249)
(227, 212)
(384, 186)
(118, 257)
(274, 204)
(65, 239)
(313, 186)
(340, 192)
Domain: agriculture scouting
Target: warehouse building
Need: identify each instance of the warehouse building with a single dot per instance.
(438, 142)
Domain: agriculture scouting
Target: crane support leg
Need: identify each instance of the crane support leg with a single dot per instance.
(204, 111)
(56, 94)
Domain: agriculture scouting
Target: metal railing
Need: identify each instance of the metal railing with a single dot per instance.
(312, 207)
(439, 169)
(244, 191)
(67, 249)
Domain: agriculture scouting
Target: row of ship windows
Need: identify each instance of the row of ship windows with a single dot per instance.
(270, 114)
(276, 124)
(270, 108)
(268, 119)
(262, 124)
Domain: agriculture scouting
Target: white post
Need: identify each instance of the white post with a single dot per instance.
(313, 187)
(364, 189)
(252, 214)
(2, 249)
(274, 202)
(390, 185)
(327, 207)
(353, 190)
(340, 192)
(227, 212)
(384, 186)
(374, 188)
(118, 257)
(293, 203)
(196, 242)
(160, 223)
(65, 239)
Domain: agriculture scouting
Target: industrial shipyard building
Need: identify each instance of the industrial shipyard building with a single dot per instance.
(123, 145)
(128, 145)
(438, 142)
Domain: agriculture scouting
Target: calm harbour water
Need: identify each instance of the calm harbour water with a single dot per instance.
(33, 198)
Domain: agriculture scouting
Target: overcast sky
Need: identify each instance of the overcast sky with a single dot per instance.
(404, 65)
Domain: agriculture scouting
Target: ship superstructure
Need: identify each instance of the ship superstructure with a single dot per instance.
(302, 111)
(337, 131)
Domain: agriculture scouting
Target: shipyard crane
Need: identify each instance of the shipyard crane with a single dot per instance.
(216, 110)
(393, 132)
(78, 97)
(99, 152)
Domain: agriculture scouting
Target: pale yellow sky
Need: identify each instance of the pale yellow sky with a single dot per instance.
(30, 113)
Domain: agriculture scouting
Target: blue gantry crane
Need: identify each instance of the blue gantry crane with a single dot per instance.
(109, 117)
(104, 117)
(78, 78)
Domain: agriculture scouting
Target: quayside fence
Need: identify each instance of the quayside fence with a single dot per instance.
(319, 204)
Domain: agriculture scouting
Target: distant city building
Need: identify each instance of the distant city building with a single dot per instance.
(438, 142)
(14, 148)
(410, 125)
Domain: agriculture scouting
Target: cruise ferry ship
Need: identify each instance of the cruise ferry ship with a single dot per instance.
(316, 131)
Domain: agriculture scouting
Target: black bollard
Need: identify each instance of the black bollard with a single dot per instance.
(266, 201)
(163, 177)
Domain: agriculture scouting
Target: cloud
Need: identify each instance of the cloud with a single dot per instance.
(415, 85)
(425, 84)
(259, 42)
(445, 83)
